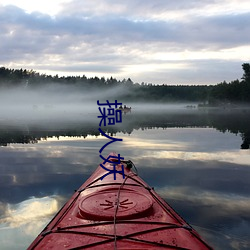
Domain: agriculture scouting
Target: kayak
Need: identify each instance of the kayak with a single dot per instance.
(116, 209)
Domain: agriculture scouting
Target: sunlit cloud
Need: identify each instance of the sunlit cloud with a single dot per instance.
(188, 56)
(45, 6)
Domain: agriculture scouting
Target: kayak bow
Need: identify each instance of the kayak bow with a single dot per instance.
(124, 213)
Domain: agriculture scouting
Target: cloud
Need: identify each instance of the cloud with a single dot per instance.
(115, 38)
(140, 9)
(115, 30)
(46, 32)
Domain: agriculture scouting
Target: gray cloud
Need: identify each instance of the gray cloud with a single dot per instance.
(220, 29)
(133, 8)
(224, 31)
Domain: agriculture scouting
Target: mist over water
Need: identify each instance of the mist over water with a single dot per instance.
(60, 102)
(59, 107)
(56, 102)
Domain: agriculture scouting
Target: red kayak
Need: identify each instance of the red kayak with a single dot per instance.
(124, 213)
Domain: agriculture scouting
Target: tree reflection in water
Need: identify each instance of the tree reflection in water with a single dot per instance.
(233, 121)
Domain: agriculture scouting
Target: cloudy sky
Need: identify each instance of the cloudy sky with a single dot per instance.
(156, 41)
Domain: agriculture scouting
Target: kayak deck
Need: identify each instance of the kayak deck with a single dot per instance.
(124, 213)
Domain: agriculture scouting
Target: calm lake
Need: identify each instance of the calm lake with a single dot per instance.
(198, 160)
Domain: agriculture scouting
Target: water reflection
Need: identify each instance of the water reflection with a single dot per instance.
(19, 222)
(233, 121)
(29, 210)
(192, 160)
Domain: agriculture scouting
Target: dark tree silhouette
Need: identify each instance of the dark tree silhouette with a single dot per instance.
(220, 94)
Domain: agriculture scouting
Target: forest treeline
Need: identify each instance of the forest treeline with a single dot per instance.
(236, 91)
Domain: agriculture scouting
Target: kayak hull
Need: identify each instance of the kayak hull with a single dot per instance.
(124, 213)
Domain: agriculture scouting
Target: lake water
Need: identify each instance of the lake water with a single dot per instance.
(197, 160)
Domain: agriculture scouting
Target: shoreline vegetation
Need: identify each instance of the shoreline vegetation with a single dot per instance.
(226, 95)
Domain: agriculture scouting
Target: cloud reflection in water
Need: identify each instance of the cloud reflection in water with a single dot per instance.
(199, 171)
(26, 219)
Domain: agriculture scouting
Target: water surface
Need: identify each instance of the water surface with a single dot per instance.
(193, 158)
